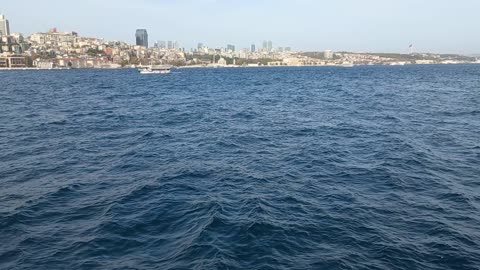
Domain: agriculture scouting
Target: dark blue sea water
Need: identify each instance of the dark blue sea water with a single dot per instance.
(261, 168)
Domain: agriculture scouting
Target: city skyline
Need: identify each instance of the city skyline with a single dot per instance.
(307, 26)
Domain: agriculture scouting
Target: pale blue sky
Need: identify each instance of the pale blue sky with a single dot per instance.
(354, 25)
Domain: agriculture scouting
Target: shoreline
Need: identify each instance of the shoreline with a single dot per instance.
(231, 66)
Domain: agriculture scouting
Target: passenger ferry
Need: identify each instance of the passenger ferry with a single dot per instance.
(155, 69)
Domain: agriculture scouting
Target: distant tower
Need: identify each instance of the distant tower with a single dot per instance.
(265, 45)
(141, 37)
(270, 46)
(410, 49)
(252, 48)
(4, 26)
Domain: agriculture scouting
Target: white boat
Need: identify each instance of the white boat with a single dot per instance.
(155, 69)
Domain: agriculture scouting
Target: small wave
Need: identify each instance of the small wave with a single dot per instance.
(106, 86)
(56, 122)
(461, 113)
(247, 115)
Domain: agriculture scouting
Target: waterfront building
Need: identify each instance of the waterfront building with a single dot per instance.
(12, 61)
(4, 26)
(75, 62)
(222, 62)
(141, 36)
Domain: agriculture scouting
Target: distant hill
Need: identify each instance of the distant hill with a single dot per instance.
(401, 57)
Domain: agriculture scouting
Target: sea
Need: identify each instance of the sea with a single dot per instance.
(369, 167)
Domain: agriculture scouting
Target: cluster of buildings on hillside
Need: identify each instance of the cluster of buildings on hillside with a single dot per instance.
(55, 49)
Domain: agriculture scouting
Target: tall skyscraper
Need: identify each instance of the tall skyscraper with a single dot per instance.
(142, 37)
(270, 46)
(230, 47)
(4, 26)
(170, 45)
(267, 46)
(252, 48)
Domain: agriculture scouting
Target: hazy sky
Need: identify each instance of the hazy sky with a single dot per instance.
(354, 25)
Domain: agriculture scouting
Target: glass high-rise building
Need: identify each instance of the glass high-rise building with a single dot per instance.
(270, 46)
(267, 46)
(231, 47)
(142, 37)
(4, 26)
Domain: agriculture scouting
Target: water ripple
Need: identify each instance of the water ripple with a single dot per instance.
(285, 168)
